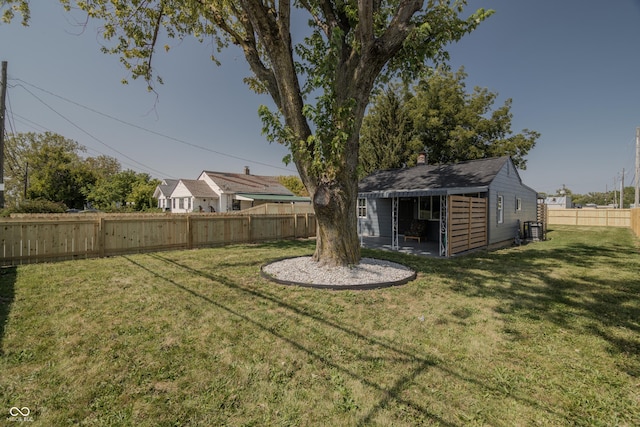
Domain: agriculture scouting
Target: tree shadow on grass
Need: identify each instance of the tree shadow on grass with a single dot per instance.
(540, 283)
(416, 362)
(8, 276)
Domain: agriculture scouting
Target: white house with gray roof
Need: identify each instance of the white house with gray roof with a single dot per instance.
(224, 191)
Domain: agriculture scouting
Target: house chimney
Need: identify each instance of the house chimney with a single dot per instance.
(422, 158)
(246, 170)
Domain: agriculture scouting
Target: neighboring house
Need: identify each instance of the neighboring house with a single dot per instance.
(163, 193)
(192, 195)
(478, 203)
(558, 202)
(223, 192)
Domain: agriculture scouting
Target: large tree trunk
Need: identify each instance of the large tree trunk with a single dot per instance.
(335, 205)
(353, 67)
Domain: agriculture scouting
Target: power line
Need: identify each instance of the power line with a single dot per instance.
(89, 134)
(40, 128)
(171, 138)
(35, 126)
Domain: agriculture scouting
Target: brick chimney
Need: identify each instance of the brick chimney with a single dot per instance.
(246, 170)
(422, 158)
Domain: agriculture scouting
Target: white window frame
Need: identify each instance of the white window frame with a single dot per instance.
(362, 208)
(500, 208)
(518, 204)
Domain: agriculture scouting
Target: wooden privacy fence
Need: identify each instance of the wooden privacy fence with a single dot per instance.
(590, 217)
(24, 240)
(635, 221)
(467, 223)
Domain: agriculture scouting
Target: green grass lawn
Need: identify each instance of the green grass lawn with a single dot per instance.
(544, 334)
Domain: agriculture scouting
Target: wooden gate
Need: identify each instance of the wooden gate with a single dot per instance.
(467, 221)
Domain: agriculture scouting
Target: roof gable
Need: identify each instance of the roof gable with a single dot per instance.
(472, 173)
(166, 188)
(197, 188)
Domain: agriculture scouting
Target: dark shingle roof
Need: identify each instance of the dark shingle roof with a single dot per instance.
(243, 183)
(472, 173)
(198, 188)
(167, 187)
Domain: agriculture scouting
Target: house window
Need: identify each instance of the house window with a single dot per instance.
(187, 202)
(429, 207)
(362, 208)
(518, 204)
(180, 203)
(500, 209)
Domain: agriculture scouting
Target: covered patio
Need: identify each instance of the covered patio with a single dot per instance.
(411, 247)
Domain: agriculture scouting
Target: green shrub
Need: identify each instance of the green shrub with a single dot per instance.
(36, 206)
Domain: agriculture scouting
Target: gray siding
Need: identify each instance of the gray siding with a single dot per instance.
(378, 220)
(508, 185)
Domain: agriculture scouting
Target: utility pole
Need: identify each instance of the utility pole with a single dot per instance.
(26, 179)
(636, 201)
(622, 190)
(3, 95)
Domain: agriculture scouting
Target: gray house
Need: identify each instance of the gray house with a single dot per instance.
(462, 206)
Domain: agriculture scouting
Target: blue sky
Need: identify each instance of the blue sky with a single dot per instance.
(572, 68)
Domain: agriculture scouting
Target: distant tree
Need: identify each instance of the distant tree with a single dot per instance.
(608, 198)
(103, 167)
(48, 166)
(387, 138)
(56, 172)
(125, 190)
(599, 199)
(319, 76)
(294, 184)
(455, 125)
(141, 196)
(15, 151)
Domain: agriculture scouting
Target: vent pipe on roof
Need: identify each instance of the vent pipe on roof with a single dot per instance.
(246, 170)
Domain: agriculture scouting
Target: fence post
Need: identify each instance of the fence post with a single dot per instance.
(101, 237)
(189, 233)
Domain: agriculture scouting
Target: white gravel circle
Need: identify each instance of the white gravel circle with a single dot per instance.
(370, 271)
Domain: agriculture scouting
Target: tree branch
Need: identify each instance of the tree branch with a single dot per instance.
(391, 41)
(365, 21)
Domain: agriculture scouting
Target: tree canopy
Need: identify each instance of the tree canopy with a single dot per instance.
(387, 138)
(320, 81)
(456, 125)
(50, 164)
(49, 167)
(443, 118)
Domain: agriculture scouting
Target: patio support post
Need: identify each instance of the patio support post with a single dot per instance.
(444, 216)
(394, 223)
